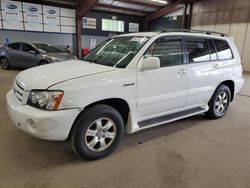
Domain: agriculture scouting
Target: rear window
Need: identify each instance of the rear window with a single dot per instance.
(223, 50)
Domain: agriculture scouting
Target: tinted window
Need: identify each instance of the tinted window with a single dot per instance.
(27, 48)
(197, 50)
(169, 51)
(14, 46)
(213, 54)
(223, 50)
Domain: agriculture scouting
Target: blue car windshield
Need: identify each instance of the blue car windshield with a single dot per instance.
(116, 52)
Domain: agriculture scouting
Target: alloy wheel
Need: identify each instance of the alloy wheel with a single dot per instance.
(100, 134)
(4, 63)
(221, 102)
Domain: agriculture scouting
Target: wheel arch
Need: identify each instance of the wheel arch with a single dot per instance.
(231, 85)
(4, 56)
(119, 104)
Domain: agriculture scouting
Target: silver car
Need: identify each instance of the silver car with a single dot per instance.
(26, 55)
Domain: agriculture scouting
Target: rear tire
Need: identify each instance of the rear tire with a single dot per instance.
(4, 63)
(219, 103)
(97, 132)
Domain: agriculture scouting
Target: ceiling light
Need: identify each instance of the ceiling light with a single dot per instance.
(160, 1)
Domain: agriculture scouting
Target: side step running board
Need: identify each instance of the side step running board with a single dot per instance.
(170, 117)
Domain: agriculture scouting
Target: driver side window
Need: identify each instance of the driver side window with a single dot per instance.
(169, 51)
(27, 47)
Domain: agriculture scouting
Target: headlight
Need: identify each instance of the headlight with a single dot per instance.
(47, 100)
(54, 59)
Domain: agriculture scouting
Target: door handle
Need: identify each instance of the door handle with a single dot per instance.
(181, 72)
(216, 66)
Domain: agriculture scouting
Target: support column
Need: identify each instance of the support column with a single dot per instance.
(189, 25)
(79, 37)
(184, 17)
(82, 9)
(145, 23)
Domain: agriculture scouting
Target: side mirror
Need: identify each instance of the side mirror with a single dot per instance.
(32, 52)
(150, 63)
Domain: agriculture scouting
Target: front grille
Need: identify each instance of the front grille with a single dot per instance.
(18, 90)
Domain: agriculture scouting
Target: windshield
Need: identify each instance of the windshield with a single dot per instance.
(46, 48)
(116, 52)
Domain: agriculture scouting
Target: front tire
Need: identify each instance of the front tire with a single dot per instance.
(97, 132)
(4, 63)
(219, 103)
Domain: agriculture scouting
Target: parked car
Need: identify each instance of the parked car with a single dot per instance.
(159, 78)
(26, 55)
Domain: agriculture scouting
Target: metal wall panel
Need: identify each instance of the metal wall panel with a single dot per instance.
(228, 16)
(224, 17)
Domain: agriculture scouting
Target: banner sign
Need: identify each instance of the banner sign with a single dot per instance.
(133, 27)
(12, 15)
(17, 15)
(33, 17)
(51, 19)
(89, 23)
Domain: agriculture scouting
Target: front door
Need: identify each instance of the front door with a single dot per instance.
(28, 59)
(164, 89)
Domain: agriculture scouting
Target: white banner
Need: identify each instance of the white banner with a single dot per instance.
(33, 17)
(51, 19)
(12, 15)
(134, 27)
(89, 23)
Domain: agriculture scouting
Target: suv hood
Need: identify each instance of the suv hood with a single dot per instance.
(44, 76)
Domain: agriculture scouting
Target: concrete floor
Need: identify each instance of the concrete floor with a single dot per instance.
(191, 153)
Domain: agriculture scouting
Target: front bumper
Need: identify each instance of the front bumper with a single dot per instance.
(49, 125)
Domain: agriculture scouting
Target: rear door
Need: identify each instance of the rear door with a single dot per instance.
(204, 70)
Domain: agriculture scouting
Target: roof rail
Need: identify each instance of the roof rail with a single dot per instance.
(194, 31)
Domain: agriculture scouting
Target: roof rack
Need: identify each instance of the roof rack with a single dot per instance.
(194, 31)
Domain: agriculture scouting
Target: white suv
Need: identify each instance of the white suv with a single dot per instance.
(130, 82)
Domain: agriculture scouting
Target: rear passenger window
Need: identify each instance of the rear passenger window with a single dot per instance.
(169, 51)
(223, 50)
(26, 47)
(198, 50)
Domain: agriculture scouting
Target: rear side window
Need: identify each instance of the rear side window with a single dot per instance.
(14, 46)
(197, 50)
(169, 51)
(223, 50)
